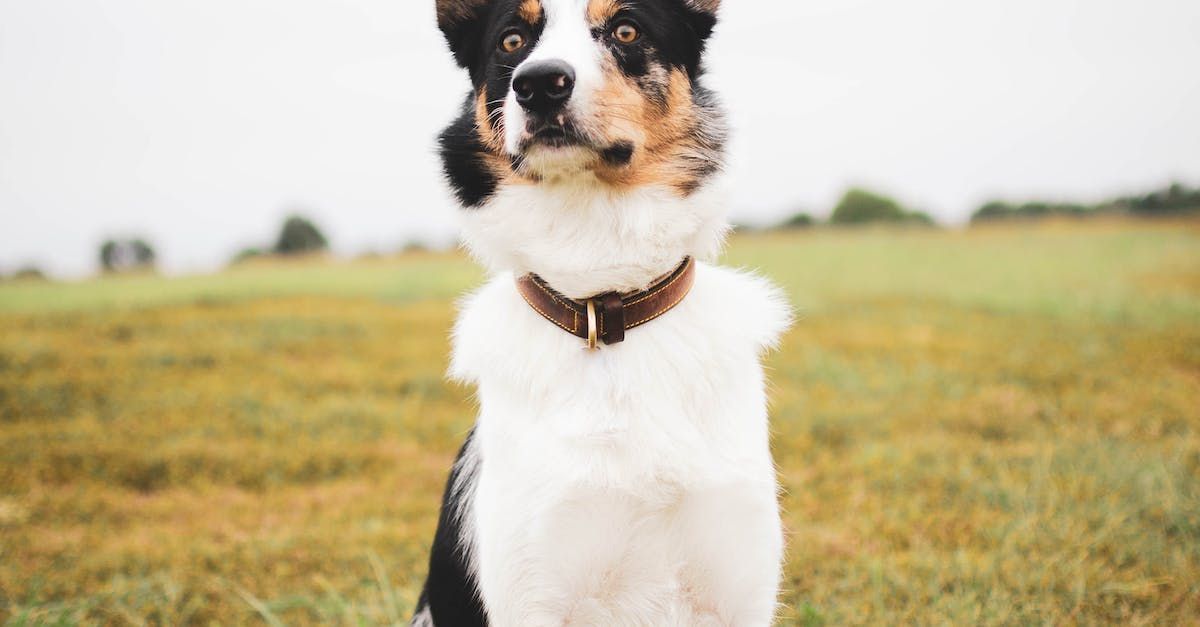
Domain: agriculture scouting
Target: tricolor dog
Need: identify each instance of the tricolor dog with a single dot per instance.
(619, 472)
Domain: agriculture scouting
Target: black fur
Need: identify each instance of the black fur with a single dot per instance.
(618, 154)
(463, 160)
(475, 43)
(451, 594)
(672, 34)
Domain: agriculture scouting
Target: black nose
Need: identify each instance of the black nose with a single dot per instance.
(543, 86)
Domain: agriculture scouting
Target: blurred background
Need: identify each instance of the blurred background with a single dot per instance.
(229, 267)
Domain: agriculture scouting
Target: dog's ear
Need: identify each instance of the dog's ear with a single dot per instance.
(461, 22)
(705, 6)
(704, 16)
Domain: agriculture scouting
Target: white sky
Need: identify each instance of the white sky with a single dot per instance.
(199, 123)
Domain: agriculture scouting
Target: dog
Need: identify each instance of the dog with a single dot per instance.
(619, 471)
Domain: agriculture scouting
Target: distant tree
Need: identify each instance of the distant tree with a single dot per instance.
(1073, 210)
(1184, 198)
(1177, 198)
(300, 236)
(1110, 207)
(143, 253)
(992, 211)
(798, 221)
(859, 206)
(414, 246)
(919, 218)
(999, 210)
(29, 273)
(1034, 209)
(247, 254)
(109, 255)
(126, 254)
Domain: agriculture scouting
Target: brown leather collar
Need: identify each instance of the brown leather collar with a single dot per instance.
(608, 316)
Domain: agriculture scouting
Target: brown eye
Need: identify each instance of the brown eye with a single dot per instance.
(626, 33)
(512, 42)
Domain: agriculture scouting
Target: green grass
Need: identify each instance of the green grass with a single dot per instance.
(998, 426)
(418, 277)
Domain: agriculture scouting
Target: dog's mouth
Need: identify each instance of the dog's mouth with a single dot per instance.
(558, 143)
(559, 133)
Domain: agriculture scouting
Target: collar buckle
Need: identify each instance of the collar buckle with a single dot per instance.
(592, 333)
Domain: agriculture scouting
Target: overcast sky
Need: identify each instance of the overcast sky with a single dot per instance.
(200, 123)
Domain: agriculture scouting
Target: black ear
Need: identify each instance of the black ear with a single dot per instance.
(704, 16)
(461, 22)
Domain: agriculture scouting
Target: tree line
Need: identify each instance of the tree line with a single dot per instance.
(1175, 200)
(298, 236)
(860, 206)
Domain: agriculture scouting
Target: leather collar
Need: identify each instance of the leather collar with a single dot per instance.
(607, 316)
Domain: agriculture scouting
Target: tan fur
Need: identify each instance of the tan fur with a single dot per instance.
(709, 6)
(491, 134)
(662, 134)
(599, 12)
(530, 11)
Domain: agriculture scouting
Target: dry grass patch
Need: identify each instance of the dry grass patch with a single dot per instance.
(992, 427)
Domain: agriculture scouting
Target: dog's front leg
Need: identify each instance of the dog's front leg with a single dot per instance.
(733, 546)
(595, 558)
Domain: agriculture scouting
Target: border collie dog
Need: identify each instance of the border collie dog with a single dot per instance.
(619, 471)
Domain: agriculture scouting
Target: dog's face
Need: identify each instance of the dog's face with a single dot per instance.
(596, 90)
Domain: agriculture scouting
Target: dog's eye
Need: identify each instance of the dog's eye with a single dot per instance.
(512, 42)
(626, 32)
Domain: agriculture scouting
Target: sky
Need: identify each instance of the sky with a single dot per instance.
(201, 124)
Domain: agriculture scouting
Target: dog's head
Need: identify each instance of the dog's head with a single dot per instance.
(566, 89)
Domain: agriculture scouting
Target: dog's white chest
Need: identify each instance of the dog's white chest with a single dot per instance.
(631, 485)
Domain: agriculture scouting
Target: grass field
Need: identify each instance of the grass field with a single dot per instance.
(999, 426)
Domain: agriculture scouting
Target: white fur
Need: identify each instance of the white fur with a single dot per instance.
(585, 239)
(633, 485)
(424, 618)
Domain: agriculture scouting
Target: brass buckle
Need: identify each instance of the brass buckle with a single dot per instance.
(591, 322)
